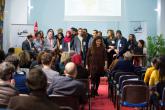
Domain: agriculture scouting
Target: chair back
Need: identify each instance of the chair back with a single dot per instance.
(132, 82)
(135, 94)
(159, 88)
(127, 77)
(3, 106)
(118, 74)
(163, 96)
(65, 102)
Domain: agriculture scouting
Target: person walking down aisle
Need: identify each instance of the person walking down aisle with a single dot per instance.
(96, 63)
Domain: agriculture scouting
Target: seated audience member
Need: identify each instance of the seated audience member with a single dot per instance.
(126, 64)
(38, 99)
(82, 72)
(149, 70)
(65, 58)
(10, 51)
(37, 63)
(25, 60)
(67, 85)
(158, 75)
(2, 55)
(46, 59)
(7, 89)
(56, 55)
(18, 75)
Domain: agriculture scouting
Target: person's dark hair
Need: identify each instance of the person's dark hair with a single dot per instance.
(24, 57)
(85, 30)
(41, 33)
(6, 71)
(93, 48)
(100, 33)
(50, 30)
(96, 31)
(154, 60)
(39, 57)
(118, 31)
(11, 50)
(36, 80)
(61, 35)
(161, 67)
(13, 59)
(2, 55)
(142, 42)
(37, 33)
(29, 36)
(112, 31)
(46, 58)
(74, 29)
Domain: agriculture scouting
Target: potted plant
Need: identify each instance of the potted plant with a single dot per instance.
(155, 46)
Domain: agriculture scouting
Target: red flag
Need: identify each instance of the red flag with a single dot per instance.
(35, 27)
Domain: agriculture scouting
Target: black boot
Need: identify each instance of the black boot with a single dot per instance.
(96, 93)
(92, 91)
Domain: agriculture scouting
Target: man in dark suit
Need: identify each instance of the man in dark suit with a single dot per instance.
(67, 85)
(121, 43)
(28, 45)
(38, 99)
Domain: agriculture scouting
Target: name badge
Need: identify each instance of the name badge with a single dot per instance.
(113, 42)
(84, 43)
(120, 45)
(60, 46)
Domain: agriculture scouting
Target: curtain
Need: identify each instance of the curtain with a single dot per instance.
(2, 6)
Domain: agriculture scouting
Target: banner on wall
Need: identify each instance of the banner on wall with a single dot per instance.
(139, 28)
(19, 33)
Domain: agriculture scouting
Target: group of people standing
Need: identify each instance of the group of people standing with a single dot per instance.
(97, 52)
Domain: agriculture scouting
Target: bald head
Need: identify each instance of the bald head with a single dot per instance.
(71, 69)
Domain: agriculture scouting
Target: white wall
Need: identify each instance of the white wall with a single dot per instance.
(15, 13)
(161, 17)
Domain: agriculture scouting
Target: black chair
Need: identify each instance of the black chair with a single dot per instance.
(134, 96)
(132, 82)
(162, 101)
(3, 107)
(65, 102)
(87, 88)
(126, 77)
(116, 83)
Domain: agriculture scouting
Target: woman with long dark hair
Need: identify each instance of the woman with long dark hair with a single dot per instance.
(96, 62)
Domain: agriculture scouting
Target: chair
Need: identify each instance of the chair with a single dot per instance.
(134, 96)
(87, 88)
(116, 83)
(162, 101)
(160, 88)
(132, 82)
(127, 77)
(3, 107)
(65, 102)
